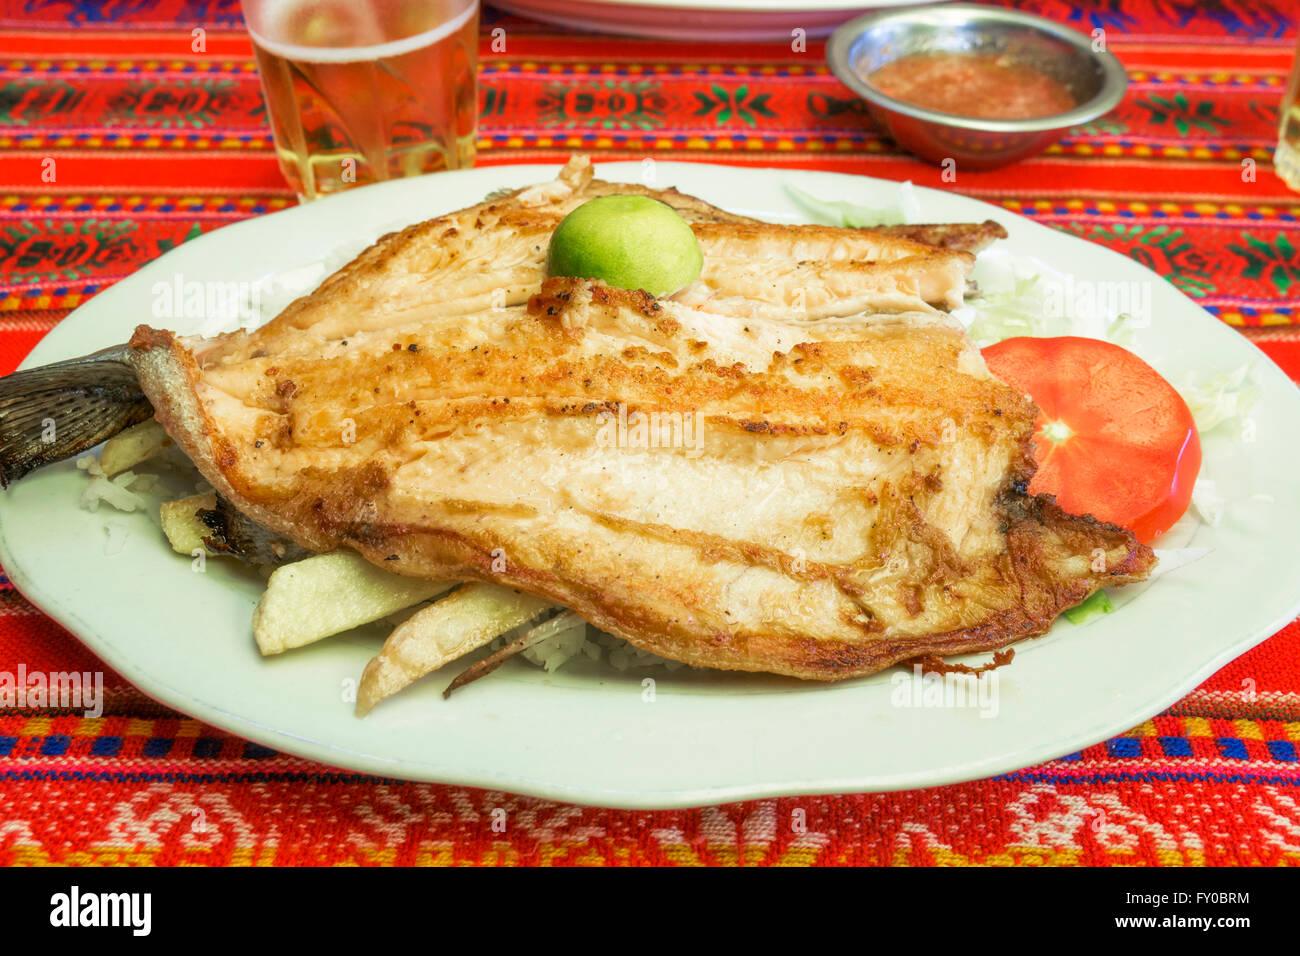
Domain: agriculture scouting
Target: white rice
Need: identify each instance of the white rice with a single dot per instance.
(116, 537)
(581, 640)
(125, 492)
(553, 652)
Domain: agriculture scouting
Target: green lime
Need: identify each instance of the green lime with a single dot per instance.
(631, 242)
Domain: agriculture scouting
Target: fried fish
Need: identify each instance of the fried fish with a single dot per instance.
(728, 477)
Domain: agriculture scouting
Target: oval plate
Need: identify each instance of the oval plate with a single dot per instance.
(726, 21)
(598, 736)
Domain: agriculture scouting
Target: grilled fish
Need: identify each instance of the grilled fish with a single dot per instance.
(722, 477)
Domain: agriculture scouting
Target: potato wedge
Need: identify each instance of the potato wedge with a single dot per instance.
(180, 523)
(328, 594)
(466, 619)
(133, 445)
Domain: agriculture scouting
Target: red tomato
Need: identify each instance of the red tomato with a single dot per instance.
(1114, 439)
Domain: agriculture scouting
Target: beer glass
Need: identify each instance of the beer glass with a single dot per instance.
(361, 91)
(1286, 160)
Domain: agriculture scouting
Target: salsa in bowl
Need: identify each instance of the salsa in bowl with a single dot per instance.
(978, 86)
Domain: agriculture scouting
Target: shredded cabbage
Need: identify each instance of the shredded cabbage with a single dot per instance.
(1022, 295)
(1207, 502)
(1222, 400)
(1220, 404)
(839, 212)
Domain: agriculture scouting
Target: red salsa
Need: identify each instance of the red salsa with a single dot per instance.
(983, 85)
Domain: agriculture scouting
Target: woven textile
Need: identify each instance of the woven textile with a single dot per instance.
(155, 144)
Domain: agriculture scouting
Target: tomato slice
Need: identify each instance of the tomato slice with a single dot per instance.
(1114, 439)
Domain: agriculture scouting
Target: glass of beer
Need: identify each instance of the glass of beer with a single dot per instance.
(361, 91)
(1286, 160)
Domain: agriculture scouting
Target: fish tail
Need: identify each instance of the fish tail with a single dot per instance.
(56, 411)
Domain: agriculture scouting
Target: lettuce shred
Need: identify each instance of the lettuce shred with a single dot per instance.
(1096, 605)
(839, 212)
(1223, 400)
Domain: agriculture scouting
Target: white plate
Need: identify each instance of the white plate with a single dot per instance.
(590, 736)
(711, 21)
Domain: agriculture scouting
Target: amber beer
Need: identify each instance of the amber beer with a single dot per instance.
(360, 91)
(1286, 160)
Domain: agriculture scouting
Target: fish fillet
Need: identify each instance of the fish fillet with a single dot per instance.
(966, 236)
(493, 255)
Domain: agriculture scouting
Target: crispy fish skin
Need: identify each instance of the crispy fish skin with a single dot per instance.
(853, 497)
(232, 533)
(972, 237)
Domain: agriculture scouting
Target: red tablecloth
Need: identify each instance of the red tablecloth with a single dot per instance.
(154, 144)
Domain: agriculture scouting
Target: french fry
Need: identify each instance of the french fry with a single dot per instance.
(133, 445)
(328, 594)
(466, 619)
(184, 530)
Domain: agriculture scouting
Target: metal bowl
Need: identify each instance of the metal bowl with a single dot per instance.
(867, 43)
